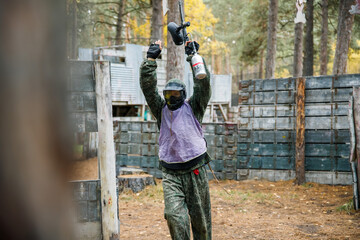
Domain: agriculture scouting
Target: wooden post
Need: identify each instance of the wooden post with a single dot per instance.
(356, 95)
(106, 152)
(300, 131)
(223, 112)
(211, 112)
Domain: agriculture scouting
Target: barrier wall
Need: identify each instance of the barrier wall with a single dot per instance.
(267, 120)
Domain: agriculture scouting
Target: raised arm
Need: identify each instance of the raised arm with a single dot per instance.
(148, 82)
(202, 93)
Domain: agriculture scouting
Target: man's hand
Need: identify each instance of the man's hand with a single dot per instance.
(189, 47)
(154, 50)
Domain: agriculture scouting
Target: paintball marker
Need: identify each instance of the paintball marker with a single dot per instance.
(180, 37)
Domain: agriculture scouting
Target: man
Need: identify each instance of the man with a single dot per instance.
(182, 147)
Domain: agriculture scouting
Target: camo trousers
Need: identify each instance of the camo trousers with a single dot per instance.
(184, 195)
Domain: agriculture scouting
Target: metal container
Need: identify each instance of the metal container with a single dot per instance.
(198, 66)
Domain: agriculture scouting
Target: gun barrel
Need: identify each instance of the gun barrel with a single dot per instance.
(181, 13)
(183, 24)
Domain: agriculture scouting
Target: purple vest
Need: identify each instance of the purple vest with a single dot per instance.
(181, 137)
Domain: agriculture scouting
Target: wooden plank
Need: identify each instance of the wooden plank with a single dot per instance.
(222, 112)
(273, 84)
(286, 123)
(327, 150)
(318, 82)
(288, 163)
(334, 109)
(320, 164)
(327, 136)
(327, 164)
(281, 136)
(267, 111)
(328, 95)
(312, 82)
(281, 97)
(106, 152)
(260, 149)
(352, 130)
(356, 95)
(287, 97)
(266, 136)
(324, 123)
(266, 162)
(300, 131)
(347, 80)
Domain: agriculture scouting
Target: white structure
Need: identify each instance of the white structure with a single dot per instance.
(125, 87)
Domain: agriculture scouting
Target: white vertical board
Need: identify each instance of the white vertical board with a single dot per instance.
(106, 151)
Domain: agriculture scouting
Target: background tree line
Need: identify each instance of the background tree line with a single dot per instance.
(250, 39)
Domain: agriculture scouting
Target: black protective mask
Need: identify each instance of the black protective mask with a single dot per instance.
(175, 102)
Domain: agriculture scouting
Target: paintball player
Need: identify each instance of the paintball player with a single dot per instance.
(182, 147)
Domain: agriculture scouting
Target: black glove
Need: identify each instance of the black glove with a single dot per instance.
(154, 51)
(189, 49)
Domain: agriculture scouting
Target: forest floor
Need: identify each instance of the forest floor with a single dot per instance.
(254, 209)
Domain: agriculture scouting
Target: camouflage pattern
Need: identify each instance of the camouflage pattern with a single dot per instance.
(198, 101)
(148, 83)
(184, 195)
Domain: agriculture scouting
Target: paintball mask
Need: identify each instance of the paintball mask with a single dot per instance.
(175, 94)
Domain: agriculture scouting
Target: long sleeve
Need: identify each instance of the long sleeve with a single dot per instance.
(148, 84)
(202, 94)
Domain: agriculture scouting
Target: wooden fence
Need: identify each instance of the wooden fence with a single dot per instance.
(267, 123)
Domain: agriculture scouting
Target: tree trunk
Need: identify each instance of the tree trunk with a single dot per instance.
(300, 131)
(309, 40)
(345, 23)
(157, 21)
(74, 31)
(118, 40)
(298, 46)
(271, 40)
(324, 38)
(175, 54)
(218, 64)
(261, 64)
(228, 63)
(127, 29)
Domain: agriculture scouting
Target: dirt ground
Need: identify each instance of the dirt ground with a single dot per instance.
(255, 209)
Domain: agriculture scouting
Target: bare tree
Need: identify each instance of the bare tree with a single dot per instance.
(157, 21)
(345, 23)
(309, 40)
(175, 54)
(118, 39)
(72, 29)
(298, 47)
(271, 40)
(324, 38)
(261, 64)
(114, 13)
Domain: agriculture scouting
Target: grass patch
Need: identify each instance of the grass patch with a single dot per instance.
(262, 197)
(237, 196)
(347, 207)
(154, 192)
(307, 185)
(150, 193)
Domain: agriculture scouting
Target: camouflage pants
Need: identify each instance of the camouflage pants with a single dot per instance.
(184, 195)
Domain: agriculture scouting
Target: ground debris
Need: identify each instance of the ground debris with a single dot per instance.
(254, 210)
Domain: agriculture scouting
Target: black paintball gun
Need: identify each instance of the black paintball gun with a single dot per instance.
(180, 37)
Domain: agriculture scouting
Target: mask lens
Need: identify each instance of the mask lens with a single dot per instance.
(168, 94)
